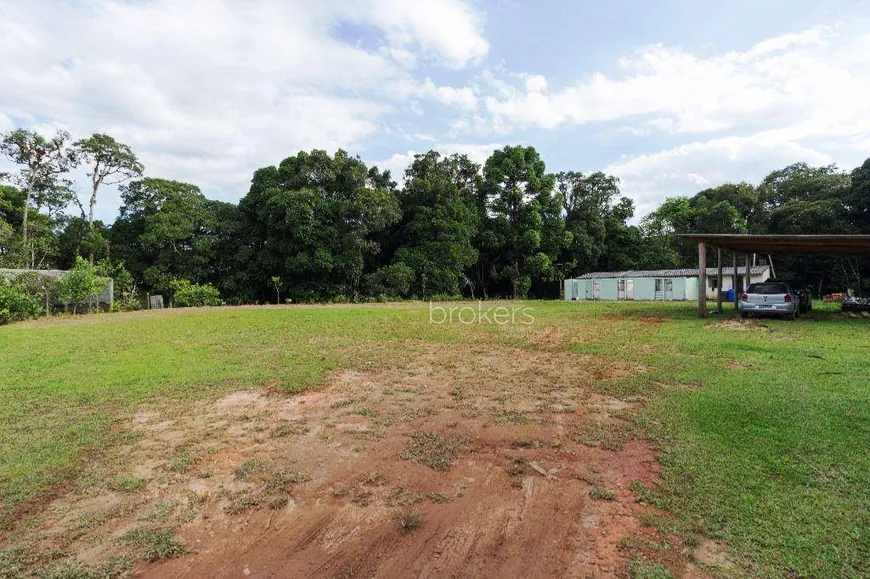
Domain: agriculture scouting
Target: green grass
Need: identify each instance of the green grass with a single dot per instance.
(153, 544)
(764, 434)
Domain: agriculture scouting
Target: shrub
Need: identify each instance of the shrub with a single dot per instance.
(16, 301)
(192, 295)
(80, 283)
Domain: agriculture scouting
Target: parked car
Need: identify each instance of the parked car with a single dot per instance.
(853, 304)
(770, 299)
(802, 291)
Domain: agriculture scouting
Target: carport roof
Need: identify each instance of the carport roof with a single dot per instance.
(818, 244)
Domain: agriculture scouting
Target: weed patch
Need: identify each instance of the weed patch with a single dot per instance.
(153, 544)
(433, 449)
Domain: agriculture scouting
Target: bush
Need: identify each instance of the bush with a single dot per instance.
(80, 283)
(17, 303)
(390, 281)
(192, 295)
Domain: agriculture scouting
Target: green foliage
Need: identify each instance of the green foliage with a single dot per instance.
(111, 163)
(153, 544)
(165, 231)
(17, 301)
(315, 219)
(44, 164)
(393, 280)
(191, 295)
(126, 289)
(436, 237)
(329, 228)
(641, 569)
(524, 230)
(80, 283)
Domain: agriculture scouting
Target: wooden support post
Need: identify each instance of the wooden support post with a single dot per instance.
(737, 290)
(702, 280)
(748, 279)
(719, 280)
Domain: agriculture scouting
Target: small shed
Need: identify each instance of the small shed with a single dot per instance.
(654, 285)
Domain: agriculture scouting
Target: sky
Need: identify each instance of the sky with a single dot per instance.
(671, 97)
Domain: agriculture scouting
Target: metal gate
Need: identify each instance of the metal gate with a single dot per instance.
(620, 289)
(589, 294)
(596, 289)
(659, 294)
(629, 289)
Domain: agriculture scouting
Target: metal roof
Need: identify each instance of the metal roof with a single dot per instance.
(711, 271)
(817, 244)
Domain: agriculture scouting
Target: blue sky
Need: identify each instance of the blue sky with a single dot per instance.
(670, 96)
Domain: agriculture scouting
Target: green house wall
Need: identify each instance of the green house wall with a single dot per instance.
(684, 288)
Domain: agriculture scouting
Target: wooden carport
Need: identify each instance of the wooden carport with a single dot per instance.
(766, 244)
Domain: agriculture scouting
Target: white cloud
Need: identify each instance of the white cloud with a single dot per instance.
(464, 98)
(815, 76)
(740, 114)
(687, 169)
(209, 90)
(448, 29)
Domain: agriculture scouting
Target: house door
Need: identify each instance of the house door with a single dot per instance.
(659, 291)
(669, 289)
(596, 290)
(620, 289)
(589, 294)
(629, 289)
(575, 290)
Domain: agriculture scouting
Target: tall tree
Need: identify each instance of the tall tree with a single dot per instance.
(587, 200)
(858, 198)
(439, 222)
(44, 164)
(521, 194)
(110, 163)
(162, 232)
(312, 221)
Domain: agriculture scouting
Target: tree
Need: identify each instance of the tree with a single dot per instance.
(728, 208)
(164, 232)
(436, 235)
(80, 283)
(44, 164)
(276, 281)
(521, 228)
(75, 237)
(111, 163)
(587, 200)
(858, 198)
(314, 219)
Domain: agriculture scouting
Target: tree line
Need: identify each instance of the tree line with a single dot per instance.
(321, 227)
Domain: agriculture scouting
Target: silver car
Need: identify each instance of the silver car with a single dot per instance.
(770, 299)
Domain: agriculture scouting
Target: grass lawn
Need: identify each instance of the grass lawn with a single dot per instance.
(764, 429)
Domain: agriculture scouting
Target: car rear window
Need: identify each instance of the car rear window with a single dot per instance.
(767, 288)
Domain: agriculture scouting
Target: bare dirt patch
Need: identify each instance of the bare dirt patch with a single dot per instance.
(481, 460)
(740, 325)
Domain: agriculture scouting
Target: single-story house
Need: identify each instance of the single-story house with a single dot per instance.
(656, 285)
(104, 298)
